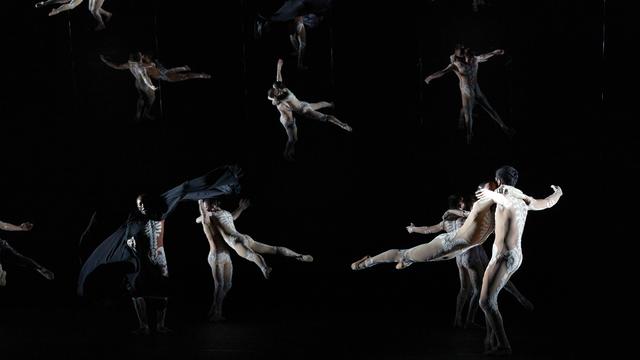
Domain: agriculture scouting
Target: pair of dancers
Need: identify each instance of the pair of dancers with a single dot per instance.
(501, 208)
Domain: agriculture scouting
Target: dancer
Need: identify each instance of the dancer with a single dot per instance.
(506, 257)
(476, 229)
(140, 240)
(146, 89)
(95, 8)
(288, 104)
(242, 244)
(157, 71)
(219, 258)
(471, 264)
(8, 252)
(465, 65)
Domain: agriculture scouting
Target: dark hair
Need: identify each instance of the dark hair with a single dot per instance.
(507, 175)
(454, 200)
(459, 46)
(272, 94)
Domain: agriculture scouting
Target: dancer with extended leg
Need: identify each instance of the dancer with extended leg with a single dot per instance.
(471, 264)
(146, 89)
(465, 65)
(95, 8)
(288, 104)
(158, 72)
(243, 244)
(7, 252)
(475, 231)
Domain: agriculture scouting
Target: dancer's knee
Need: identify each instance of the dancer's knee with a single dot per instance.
(488, 303)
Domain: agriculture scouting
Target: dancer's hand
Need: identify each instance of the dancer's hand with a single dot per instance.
(27, 226)
(499, 52)
(428, 79)
(411, 228)
(557, 190)
(244, 203)
(484, 194)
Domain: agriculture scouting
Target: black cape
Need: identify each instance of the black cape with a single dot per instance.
(216, 183)
(292, 8)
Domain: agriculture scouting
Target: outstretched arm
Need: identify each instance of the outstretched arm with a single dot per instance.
(202, 210)
(10, 227)
(453, 214)
(549, 201)
(487, 56)
(439, 74)
(425, 229)
(279, 70)
(244, 204)
(124, 66)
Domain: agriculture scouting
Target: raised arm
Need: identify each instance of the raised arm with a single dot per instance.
(202, 210)
(487, 56)
(244, 204)
(10, 227)
(549, 201)
(124, 66)
(279, 70)
(439, 74)
(426, 229)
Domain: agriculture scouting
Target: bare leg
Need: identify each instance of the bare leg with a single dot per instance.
(3, 277)
(150, 97)
(26, 262)
(140, 104)
(468, 104)
(292, 137)
(240, 246)
(510, 287)
(484, 103)
(95, 8)
(309, 112)
(276, 250)
(140, 306)
(495, 277)
(463, 295)
(68, 6)
(49, 2)
(225, 268)
(320, 105)
(161, 313)
(475, 280)
(442, 247)
(176, 76)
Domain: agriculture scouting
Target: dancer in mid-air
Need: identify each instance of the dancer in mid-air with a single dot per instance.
(242, 244)
(288, 104)
(7, 252)
(506, 258)
(471, 264)
(146, 89)
(465, 65)
(474, 231)
(95, 8)
(219, 258)
(157, 71)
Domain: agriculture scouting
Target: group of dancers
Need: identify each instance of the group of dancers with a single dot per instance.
(498, 207)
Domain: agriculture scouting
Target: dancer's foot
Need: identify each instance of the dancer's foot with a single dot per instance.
(528, 305)
(141, 331)
(499, 351)
(360, 264)
(163, 330)
(305, 258)
(40, 4)
(216, 317)
(100, 27)
(267, 272)
(402, 265)
(510, 132)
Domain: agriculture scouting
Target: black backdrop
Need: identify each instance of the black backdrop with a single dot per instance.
(71, 147)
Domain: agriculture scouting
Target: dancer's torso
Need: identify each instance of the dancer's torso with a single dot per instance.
(151, 246)
(479, 224)
(510, 223)
(467, 75)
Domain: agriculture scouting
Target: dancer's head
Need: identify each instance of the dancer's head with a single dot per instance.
(459, 50)
(277, 92)
(141, 203)
(211, 204)
(149, 205)
(507, 175)
(456, 202)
